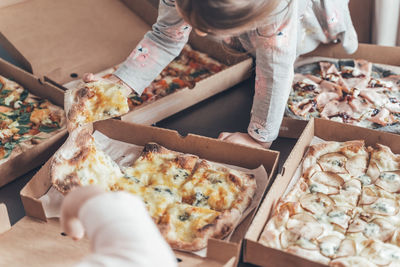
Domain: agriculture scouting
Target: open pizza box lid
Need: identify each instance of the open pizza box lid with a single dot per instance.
(256, 253)
(45, 233)
(62, 40)
(292, 128)
(57, 39)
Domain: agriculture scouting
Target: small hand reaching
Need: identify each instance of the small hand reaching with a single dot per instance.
(243, 139)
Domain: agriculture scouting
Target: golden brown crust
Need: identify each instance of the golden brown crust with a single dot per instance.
(72, 152)
(151, 148)
(187, 162)
(184, 161)
(77, 104)
(222, 225)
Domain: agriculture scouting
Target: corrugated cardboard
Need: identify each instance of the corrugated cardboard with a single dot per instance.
(38, 154)
(45, 234)
(261, 255)
(62, 40)
(292, 128)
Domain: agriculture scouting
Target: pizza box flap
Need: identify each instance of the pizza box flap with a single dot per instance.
(31, 242)
(208, 148)
(256, 253)
(5, 224)
(374, 53)
(60, 39)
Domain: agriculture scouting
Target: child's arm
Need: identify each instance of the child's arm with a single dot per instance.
(275, 56)
(157, 49)
(119, 228)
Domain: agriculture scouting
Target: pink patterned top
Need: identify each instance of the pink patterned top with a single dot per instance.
(294, 30)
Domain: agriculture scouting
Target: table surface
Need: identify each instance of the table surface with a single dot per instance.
(227, 111)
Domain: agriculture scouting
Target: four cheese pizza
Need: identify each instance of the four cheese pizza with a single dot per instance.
(94, 101)
(189, 199)
(349, 91)
(25, 119)
(344, 210)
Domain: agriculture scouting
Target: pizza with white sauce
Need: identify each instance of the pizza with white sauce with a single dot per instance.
(344, 209)
(190, 200)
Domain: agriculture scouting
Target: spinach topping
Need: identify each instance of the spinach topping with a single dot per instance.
(25, 118)
(48, 129)
(24, 95)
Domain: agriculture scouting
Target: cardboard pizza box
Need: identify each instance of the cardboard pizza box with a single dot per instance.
(59, 41)
(292, 128)
(256, 253)
(38, 154)
(45, 233)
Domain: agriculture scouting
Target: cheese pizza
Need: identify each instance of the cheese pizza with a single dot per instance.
(94, 101)
(349, 91)
(25, 119)
(189, 199)
(344, 209)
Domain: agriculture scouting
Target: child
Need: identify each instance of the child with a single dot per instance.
(275, 32)
(118, 226)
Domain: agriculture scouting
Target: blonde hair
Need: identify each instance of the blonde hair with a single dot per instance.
(219, 15)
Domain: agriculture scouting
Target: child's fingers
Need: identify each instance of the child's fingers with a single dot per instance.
(89, 77)
(73, 228)
(71, 206)
(224, 135)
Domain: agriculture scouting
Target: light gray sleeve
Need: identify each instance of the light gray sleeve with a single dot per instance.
(157, 49)
(275, 46)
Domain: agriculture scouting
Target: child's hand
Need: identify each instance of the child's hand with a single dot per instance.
(243, 139)
(70, 207)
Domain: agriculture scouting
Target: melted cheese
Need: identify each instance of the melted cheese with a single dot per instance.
(159, 169)
(108, 102)
(186, 221)
(158, 198)
(212, 188)
(96, 169)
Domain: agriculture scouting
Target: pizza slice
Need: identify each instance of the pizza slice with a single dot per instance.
(79, 162)
(219, 188)
(94, 101)
(187, 227)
